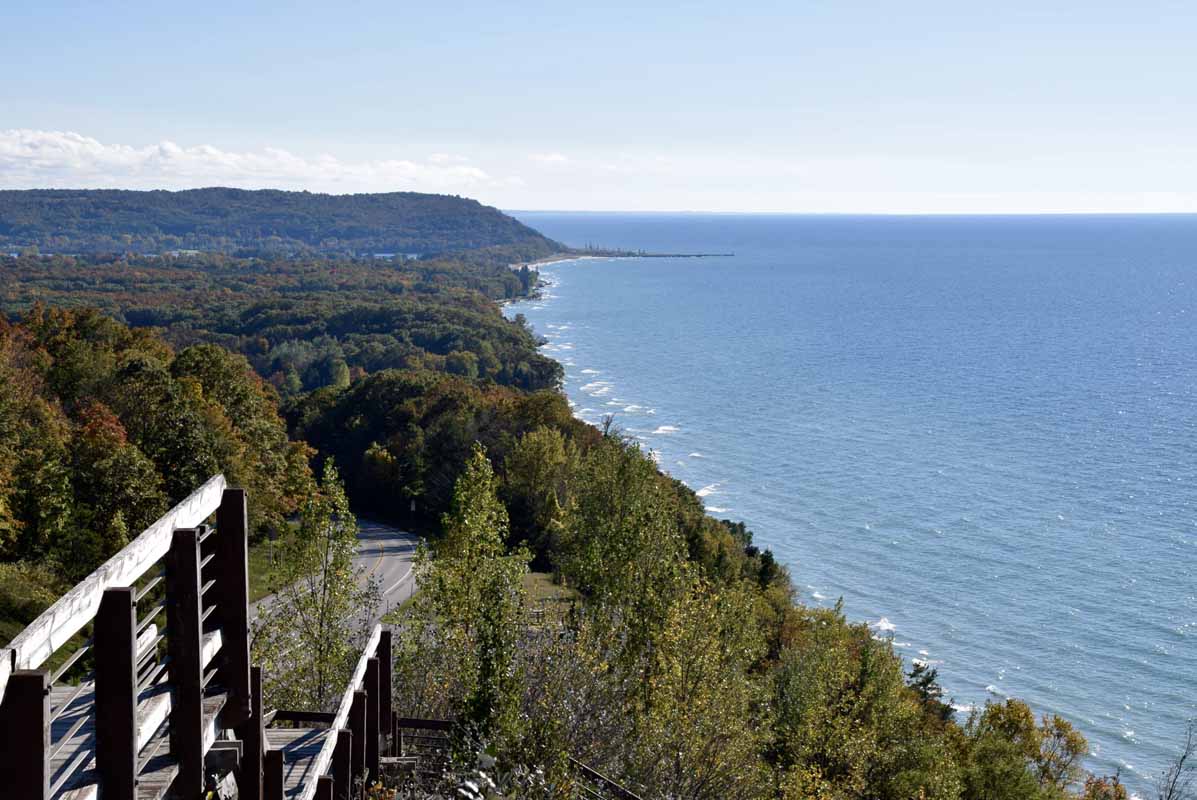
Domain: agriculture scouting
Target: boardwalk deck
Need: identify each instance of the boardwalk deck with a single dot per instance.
(153, 740)
(166, 695)
(300, 748)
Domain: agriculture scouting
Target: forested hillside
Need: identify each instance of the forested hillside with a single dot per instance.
(103, 428)
(253, 222)
(311, 322)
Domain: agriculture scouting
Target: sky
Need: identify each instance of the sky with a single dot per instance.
(823, 106)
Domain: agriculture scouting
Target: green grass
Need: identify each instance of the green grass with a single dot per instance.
(541, 588)
(26, 590)
(543, 593)
(263, 574)
(548, 600)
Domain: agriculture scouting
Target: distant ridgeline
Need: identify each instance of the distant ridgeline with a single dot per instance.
(265, 222)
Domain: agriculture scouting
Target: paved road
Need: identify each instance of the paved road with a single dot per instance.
(385, 553)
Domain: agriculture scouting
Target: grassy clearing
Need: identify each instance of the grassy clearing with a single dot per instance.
(547, 599)
(263, 573)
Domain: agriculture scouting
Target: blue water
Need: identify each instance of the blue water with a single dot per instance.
(980, 432)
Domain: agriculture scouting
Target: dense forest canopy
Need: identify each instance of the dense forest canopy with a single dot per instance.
(305, 323)
(263, 221)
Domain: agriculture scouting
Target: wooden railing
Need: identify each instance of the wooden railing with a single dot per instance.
(141, 723)
(351, 748)
(144, 721)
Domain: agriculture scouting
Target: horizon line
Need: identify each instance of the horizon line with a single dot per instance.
(853, 213)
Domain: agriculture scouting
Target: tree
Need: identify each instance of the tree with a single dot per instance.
(1107, 788)
(539, 471)
(468, 614)
(621, 545)
(1179, 780)
(925, 682)
(705, 727)
(847, 725)
(308, 635)
(117, 492)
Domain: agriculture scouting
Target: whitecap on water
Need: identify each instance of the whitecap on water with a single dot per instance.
(885, 625)
(666, 429)
(708, 490)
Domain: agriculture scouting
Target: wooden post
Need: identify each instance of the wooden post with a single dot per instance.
(272, 778)
(372, 729)
(385, 698)
(324, 788)
(116, 694)
(342, 764)
(357, 724)
(185, 647)
(231, 594)
(25, 731)
(252, 734)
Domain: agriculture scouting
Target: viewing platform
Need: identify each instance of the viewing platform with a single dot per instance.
(162, 700)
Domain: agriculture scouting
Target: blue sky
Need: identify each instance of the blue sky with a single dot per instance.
(829, 105)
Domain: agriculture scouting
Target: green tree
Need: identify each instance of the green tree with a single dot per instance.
(846, 724)
(117, 492)
(308, 635)
(704, 731)
(538, 475)
(469, 611)
(621, 545)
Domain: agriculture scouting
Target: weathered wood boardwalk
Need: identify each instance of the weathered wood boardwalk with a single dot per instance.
(162, 700)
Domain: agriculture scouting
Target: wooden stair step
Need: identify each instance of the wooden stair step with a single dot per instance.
(300, 748)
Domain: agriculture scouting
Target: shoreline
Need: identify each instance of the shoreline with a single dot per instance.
(968, 695)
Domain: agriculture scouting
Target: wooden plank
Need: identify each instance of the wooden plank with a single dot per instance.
(372, 729)
(272, 775)
(157, 776)
(116, 694)
(252, 733)
(357, 724)
(299, 747)
(341, 720)
(230, 570)
(213, 705)
(383, 654)
(25, 723)
(7, 659)
(342, 762)
(185, 646)
(424, 724)
(326, 717)
(58, 623)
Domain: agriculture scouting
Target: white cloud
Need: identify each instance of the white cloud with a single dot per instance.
(549, 158)
(33, 158)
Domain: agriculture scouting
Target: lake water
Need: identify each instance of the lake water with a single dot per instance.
(981, 433)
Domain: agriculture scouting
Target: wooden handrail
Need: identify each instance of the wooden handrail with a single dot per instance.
(67, 616)
(341, 720)
(603, 781)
